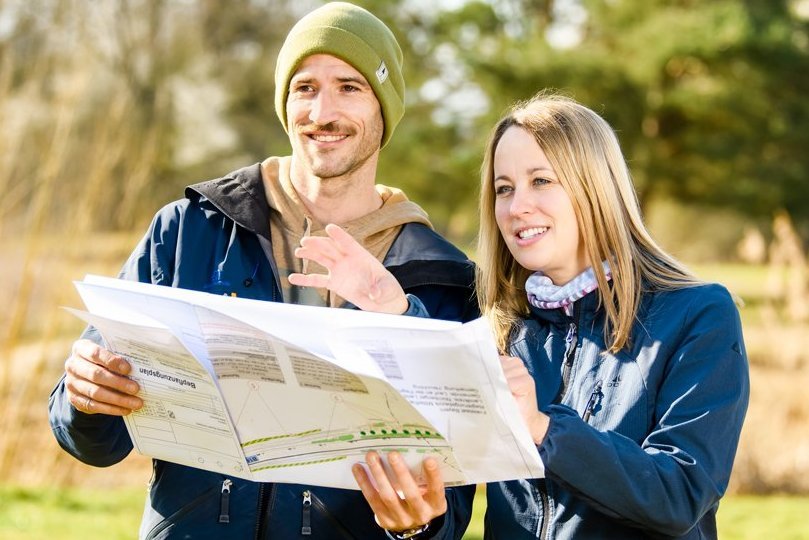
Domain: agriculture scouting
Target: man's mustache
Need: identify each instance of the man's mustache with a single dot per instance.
(331, 127)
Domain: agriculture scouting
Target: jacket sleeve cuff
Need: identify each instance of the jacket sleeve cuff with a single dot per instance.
(432, 529)
(556, 415)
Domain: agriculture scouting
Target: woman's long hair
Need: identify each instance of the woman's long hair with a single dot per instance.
(584, 152)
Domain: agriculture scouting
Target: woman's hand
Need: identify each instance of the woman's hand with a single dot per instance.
(398, 502)
(524, 391)
(353, 273)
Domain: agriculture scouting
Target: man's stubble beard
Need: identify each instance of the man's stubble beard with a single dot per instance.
(327, 166)
(323, 166)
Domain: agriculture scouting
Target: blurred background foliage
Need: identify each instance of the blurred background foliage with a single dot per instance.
(110, 107)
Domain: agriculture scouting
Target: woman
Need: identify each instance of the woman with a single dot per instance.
(630, 373)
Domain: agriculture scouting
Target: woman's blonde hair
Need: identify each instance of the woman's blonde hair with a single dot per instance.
(584, 152)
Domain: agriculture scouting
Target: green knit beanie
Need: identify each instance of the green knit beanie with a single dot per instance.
(355, 36)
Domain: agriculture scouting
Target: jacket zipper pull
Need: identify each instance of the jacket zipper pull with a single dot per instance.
(571, 334)
(570, 343)
(591, 403)
(306, 524)
(224, 502)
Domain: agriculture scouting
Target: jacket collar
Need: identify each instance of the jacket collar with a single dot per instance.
(586, 306)
(240, 196)
(418, 256)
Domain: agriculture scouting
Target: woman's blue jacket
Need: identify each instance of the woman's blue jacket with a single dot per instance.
(641, 443)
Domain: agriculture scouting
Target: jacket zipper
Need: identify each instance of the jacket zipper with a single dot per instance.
(266, 498)
(592, 402)
(224, 502)
(571, 344)
(266, 246)
(306, 511)
(321, 508)
(546, 512)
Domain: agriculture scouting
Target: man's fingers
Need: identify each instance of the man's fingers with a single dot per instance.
(405, 507)
(344, 241)
(99, 375)
(322, 244)
(88, 405)
(313, 253)
(80, 390)
(418, 509)
(435, 484)
(95, 382)
(394, 513)
(367, 487)
(380, 477)
(371, 494)
(404, 478)
(309, 280)
(94, 353)
(425, 501)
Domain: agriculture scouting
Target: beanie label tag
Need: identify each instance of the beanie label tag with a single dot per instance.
(382, 72)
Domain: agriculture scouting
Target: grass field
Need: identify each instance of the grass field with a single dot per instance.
(87, 514)
(771, 457)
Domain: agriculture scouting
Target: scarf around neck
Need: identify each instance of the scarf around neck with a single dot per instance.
(543, 294)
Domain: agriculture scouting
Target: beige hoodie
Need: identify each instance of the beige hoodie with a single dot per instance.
(289, 223)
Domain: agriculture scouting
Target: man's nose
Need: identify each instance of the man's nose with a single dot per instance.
(324, 109)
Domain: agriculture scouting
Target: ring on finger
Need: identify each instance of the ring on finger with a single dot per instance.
(88, 405)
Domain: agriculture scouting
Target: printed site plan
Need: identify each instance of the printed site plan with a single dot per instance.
(285, 393)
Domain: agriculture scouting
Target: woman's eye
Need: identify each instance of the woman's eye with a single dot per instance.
(541, 181)
(502, 190)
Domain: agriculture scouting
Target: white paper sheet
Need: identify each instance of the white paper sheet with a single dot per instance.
(287, 393)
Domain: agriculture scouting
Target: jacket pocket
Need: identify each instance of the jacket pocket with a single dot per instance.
(163, 528)
(309, 502)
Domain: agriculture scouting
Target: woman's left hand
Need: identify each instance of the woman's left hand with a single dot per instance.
(523, 389)
(353, 272)
(398, 502)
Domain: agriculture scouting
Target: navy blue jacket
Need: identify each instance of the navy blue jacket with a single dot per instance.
(641, 443)
(217, 239)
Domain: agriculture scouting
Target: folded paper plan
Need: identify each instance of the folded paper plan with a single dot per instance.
(284, 393)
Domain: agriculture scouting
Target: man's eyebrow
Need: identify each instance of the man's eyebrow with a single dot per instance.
(359, 80)
(304, 78)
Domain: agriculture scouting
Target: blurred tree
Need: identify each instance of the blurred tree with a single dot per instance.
(708, 99)
(242, 39)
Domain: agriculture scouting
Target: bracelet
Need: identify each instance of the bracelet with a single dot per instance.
(409, 533)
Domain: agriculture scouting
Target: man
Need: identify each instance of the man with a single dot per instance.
(339, 94)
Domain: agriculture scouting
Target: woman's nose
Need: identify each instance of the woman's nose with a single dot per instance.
(520, 204)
